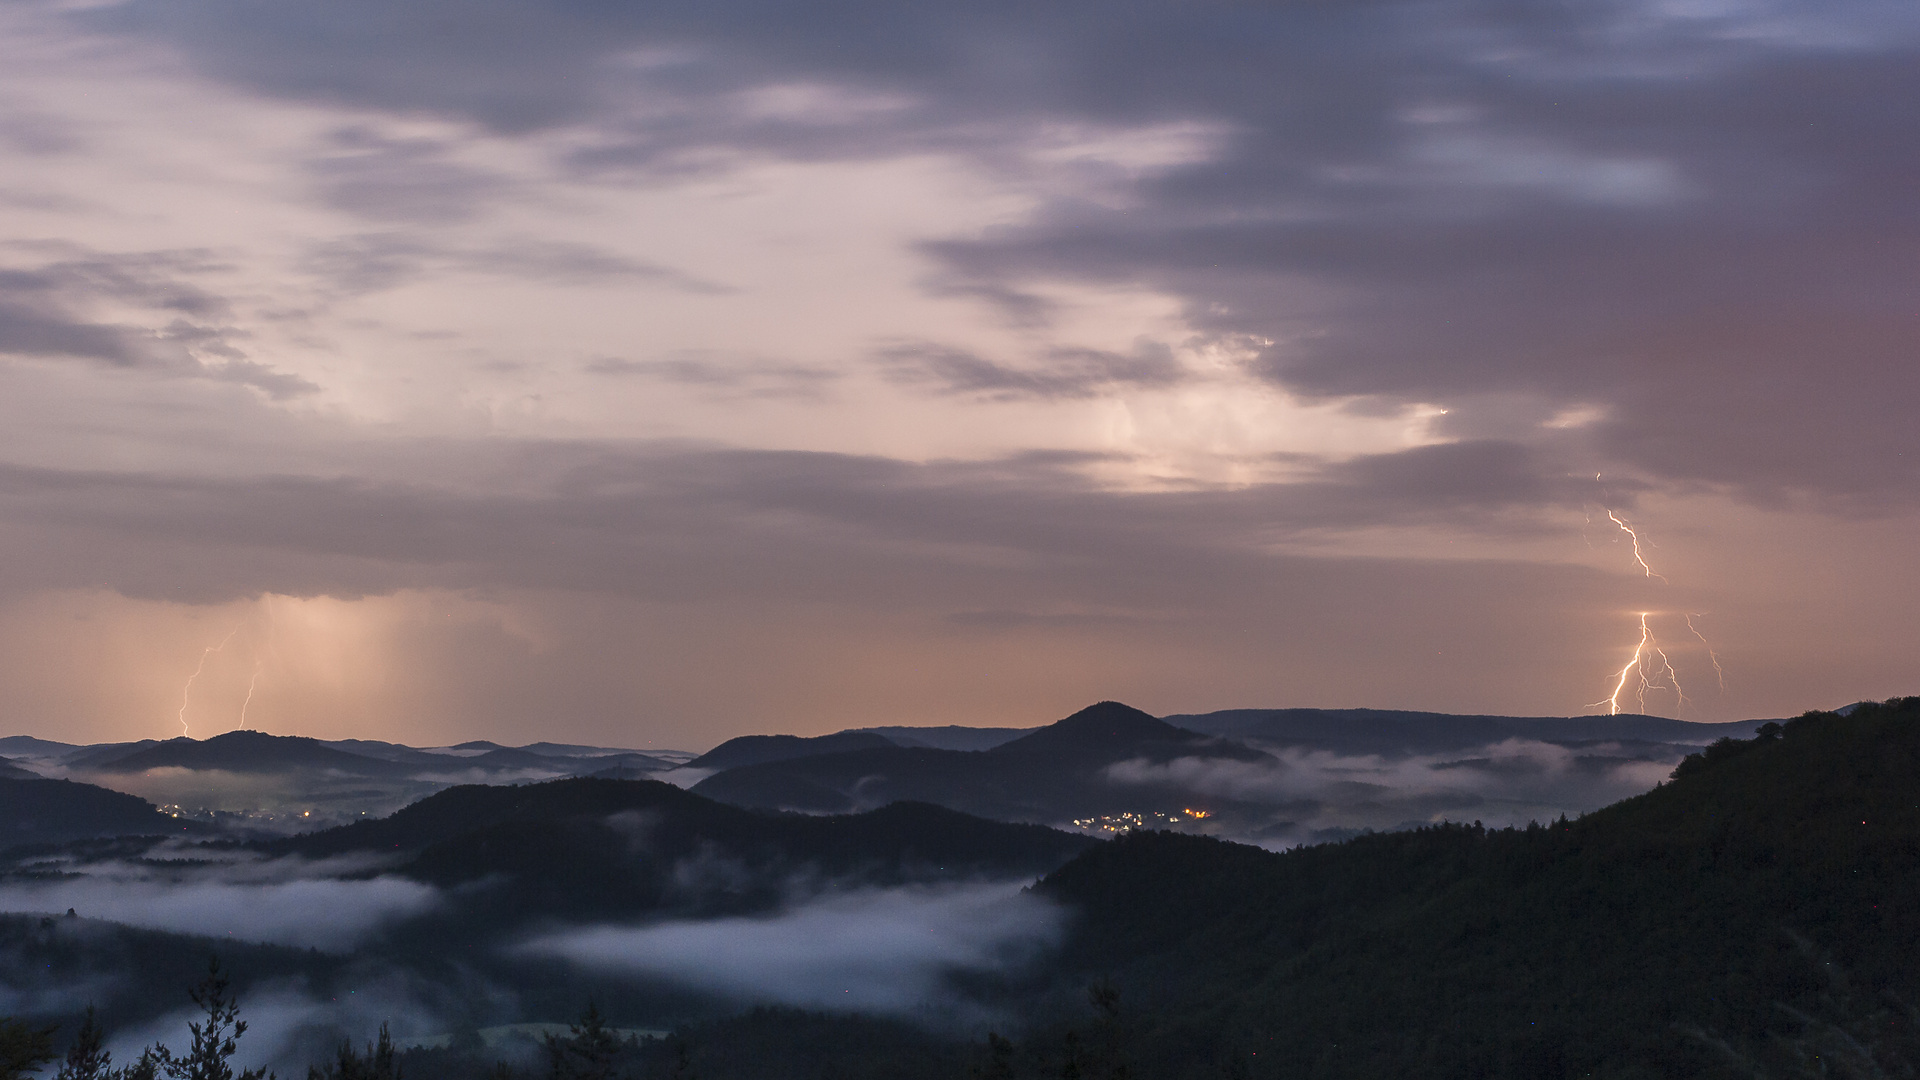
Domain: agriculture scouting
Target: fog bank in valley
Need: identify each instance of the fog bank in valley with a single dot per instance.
(872, 950)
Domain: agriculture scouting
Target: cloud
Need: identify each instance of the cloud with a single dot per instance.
(278, 902)
(1692, 222)
(375, 262)
(131, 310)
(684, 519)
(1688, 222)
(404, 180)
(883, 951)
(1670, 246)
(1062, 373)
(725, 377)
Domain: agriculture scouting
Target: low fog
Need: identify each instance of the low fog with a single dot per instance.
(290, 1025)
(285, 901)
(1319, 794)
(879, 950)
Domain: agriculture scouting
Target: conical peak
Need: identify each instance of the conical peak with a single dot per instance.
(1117, 720)
(1106, 725)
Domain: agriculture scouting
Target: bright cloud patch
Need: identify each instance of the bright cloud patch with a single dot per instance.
(248, 905)
(871, 951)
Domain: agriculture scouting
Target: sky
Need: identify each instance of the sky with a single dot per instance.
(649, 374)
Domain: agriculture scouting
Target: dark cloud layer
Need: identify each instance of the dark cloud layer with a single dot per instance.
(1061, 373)
(49, 311)
(1695, 225)
(1605, 252)
(681, 522)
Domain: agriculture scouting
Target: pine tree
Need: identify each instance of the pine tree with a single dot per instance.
(87, 1058)
(376, 1064)
(589, 1051)
(23, 1048)
(213, 1041)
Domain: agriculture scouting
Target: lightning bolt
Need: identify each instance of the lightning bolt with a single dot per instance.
(1654, 669)
(1635, 537)
(1645, 652)
(1612, 701)
(186, 692)
(259, 663)
(1718, 673)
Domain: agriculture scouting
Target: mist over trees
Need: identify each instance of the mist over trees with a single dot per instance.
(1752, 916)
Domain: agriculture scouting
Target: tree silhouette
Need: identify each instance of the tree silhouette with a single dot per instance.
(23, 1048)
(87, 1058)
(214, 1040)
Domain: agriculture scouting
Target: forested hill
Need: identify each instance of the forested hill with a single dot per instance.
(589, 848)
(1753, 912)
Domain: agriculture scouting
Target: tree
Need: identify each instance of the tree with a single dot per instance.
(213, 1041)
(589, 1050)
(999, 1064)
(145, 1067)
(348, 1064)
(682, 1060)
(1108, 1061)
(87, 1058)
(23, 1048)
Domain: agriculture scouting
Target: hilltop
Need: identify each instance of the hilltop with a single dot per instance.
(1052, 774)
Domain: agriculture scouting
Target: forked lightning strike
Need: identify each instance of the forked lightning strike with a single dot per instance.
(1651, 675)
(1644, 653)
(186, 692)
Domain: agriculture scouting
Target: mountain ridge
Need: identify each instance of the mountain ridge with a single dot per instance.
(1652, 937)
(1053, 774)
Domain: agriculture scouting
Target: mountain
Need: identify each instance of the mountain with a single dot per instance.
(1395, 732)
(40, 811)
(597, 848)
(949, 737)
(91, 757)
(553, 749)
(1109, 732)
(15, 746)
(258, 752)
(1757, 910)
(386, 751)
(761, 749)
(250, 752)
(500, 759)
(1053, 774)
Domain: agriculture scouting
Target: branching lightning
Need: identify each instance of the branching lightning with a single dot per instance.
(1643, 663)
(1650, 668)
(186, 692)
(1635, 537)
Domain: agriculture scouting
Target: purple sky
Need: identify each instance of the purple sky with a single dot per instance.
(655, 373)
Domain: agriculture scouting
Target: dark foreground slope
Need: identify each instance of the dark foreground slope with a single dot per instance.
(1699, 929)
